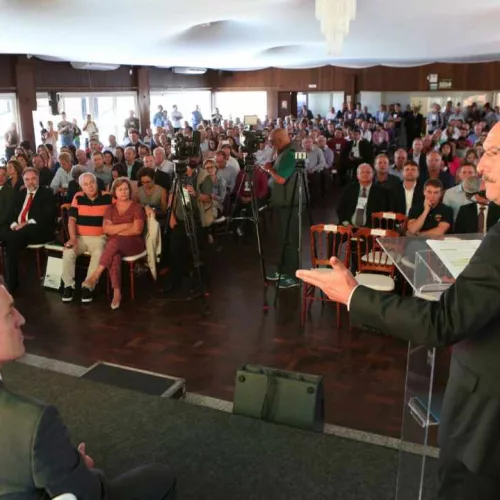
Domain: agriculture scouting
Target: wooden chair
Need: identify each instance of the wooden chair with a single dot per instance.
(326, 240)
(132, 261)
(39, 250)
(390, 220)
(375, 268)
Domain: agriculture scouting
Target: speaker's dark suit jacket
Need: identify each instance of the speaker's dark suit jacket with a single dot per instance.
(37, 456)
(43, 211)
(467, 316)
(7, 197)
(467, 218)
(399, 200)
(378, 201)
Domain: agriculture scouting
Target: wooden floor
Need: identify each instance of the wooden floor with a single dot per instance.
(363, 372)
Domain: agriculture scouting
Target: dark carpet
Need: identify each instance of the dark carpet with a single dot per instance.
(215, 455)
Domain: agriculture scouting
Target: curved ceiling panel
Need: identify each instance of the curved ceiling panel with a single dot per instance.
(250, 34)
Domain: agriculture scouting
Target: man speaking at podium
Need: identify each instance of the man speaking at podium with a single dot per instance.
(467, 316)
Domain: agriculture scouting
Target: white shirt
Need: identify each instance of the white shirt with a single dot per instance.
(355, 149)
(29, 221)
(366, 134)
(330, 116)
(176, 119)
(166, 166)
(485, 226)
(61, 179)
(409, 197)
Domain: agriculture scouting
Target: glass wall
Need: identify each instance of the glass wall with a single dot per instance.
(186, 102)
(239, 104)
(8, 115)
(108, 110)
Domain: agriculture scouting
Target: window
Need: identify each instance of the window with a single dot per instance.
(186, 103)
(108, 110)
(8, 114)
(238, 104)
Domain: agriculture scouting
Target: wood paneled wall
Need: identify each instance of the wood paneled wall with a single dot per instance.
(62, 77)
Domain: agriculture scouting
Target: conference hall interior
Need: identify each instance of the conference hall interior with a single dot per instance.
(148, 241)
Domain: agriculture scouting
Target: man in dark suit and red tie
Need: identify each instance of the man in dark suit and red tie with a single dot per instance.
(466, 316)
(32, 221)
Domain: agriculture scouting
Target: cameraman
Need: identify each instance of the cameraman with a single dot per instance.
(196, 187)
(282, 184)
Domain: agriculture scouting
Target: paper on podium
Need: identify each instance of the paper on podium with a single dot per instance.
(454, 253)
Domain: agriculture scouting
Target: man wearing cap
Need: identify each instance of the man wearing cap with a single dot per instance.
(467, 317)
(480, 214)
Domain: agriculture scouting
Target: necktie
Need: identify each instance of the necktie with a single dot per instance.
(480, 220)
(360, 212)
(25, 212)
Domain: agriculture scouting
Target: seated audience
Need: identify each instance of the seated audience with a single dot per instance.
(359, 200)
(123, 224)
(32, 222)
(437, 170)
(44, 463)
(226, 170)
(400, 158)
(120, 155)
(101, 170)
(15, 175)
(455, 197)
(430, 217)
(131, 163)
(86, 234)
(63, 176)
(450, 161)
(410, 191)
(383, 179)
(161, 178)
(44, 173)
(480, 215)
(151, 196)
(161, 162)
(74, 185)
(118, 170)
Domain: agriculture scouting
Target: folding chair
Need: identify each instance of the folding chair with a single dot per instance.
(375, 268)
(326, 240)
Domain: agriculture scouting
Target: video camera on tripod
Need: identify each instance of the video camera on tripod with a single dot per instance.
(253, 138)
(184, 149)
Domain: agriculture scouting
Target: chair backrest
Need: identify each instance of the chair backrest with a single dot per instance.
(371, 256)
(327, 240)
(390, 220)
(64, 221)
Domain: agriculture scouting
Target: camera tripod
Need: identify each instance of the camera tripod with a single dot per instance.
(249, 169)
(187, 210)
(296, 203)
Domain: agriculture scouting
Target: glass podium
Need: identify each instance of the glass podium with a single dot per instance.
(428, 277)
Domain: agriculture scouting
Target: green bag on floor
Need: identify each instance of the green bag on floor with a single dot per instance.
(279, 396)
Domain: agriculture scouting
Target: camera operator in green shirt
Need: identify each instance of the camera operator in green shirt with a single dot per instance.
(283, 180)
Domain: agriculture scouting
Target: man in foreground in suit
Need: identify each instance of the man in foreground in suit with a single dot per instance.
(32, 221)
(466, 316)
(481, 214)
(37, 457)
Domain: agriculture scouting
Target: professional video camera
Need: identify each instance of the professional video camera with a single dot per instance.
(253, 138)
(184, 149)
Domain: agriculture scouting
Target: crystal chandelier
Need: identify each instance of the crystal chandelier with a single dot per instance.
(335, 17)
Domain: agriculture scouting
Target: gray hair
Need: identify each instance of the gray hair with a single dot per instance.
(77, 171)
(159, 148)
(363, 165)
(85, 174)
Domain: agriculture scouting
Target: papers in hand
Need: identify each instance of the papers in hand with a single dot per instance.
(454, 253)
